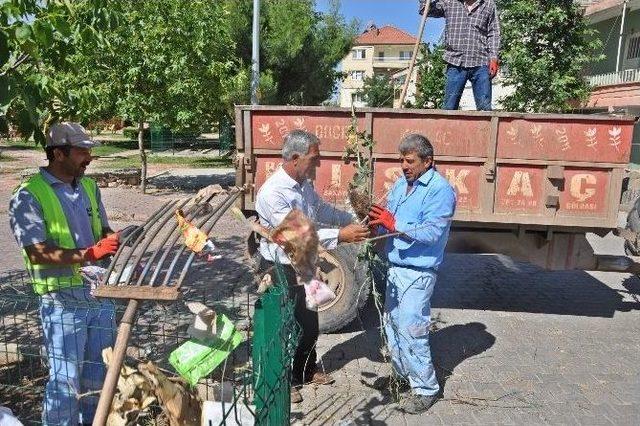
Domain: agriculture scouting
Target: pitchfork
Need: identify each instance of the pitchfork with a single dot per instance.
(146, 251)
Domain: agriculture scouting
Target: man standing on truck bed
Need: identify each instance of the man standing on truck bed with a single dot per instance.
(472, 41)
(60, 223)
(419, 209)
(290, 188)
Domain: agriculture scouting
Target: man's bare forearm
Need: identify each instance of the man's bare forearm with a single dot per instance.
(45, 254)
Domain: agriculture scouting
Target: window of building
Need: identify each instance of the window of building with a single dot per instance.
(381, 56)
(401, 79)
(359, 54)
(633, 48)
(357, 75)
(356, 97)
(405, 55)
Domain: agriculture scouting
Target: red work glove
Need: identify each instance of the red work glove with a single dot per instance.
(103, 248)
(493, 68)
(383, 217)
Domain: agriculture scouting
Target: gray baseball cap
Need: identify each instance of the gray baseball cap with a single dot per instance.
(69, 134)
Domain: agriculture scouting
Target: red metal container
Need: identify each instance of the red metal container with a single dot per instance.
(552, 171)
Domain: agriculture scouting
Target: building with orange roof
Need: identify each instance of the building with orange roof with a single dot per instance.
(385, 50)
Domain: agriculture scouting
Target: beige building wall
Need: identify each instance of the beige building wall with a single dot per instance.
(498, 91)
(387, 59)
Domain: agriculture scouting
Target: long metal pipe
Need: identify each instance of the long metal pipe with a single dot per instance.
(624, 15)
(160, 227)
(207, 230)
(139, 237)
(191, 213)
(255, 53)
(226, 205)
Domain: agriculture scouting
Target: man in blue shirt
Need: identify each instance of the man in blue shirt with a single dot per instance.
(419, 210)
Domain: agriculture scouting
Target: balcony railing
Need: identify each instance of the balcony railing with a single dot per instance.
(391, 58)
(622, 77)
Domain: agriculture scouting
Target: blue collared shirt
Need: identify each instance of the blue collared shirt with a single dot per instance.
(27, 220)
(424, 217)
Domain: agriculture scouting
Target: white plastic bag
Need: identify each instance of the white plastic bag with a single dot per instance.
(7, 418)
(317, 293)
(94, 275)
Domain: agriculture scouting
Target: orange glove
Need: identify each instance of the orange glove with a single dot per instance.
(383, 217)
(103, 248)
(493, 68)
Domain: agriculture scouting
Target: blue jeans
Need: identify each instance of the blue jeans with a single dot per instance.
(407, 319)
(480, 80)
(76, 328)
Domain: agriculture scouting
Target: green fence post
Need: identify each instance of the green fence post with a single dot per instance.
(275, 340)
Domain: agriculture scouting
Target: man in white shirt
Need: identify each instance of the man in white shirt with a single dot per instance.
(290, 188)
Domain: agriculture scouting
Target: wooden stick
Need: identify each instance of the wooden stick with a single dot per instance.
(405, 88)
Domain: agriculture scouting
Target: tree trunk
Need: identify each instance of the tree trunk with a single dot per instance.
(143, 156)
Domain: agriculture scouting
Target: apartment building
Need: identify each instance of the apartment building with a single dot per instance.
(384, 50)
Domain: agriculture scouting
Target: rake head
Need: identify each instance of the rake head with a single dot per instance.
(153, 261)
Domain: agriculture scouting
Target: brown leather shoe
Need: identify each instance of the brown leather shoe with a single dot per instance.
(319, 378)
(296, 396)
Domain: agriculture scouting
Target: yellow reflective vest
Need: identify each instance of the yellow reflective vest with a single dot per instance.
(46, 278)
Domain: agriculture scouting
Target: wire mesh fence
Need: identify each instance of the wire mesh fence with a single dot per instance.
(36, 376)
(164, 139)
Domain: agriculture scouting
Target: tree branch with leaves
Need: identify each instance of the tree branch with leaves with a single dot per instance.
(546, 46)
(431, 79)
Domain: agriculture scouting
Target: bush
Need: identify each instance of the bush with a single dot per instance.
(132, 133)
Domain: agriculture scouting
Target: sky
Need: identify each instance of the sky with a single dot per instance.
(402, 14)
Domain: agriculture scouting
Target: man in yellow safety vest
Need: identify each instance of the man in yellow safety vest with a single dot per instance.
(58, 220)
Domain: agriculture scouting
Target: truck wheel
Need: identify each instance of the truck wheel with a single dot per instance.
(346, 276)
(633, 224)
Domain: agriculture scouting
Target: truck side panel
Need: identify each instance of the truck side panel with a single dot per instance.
(507, 169)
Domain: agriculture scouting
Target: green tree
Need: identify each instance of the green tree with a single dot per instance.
(169, 62)
(300, 49)
(431, 78)
(545, 48)
(378, 91)
(37, 42)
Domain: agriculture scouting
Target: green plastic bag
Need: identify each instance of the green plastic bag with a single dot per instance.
(196, 359)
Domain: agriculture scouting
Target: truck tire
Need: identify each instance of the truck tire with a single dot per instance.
(346, 276)
(633, 224)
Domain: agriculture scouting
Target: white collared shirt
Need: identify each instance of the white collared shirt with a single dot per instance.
(279, 195)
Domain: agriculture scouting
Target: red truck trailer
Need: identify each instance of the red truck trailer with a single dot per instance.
(529, 186)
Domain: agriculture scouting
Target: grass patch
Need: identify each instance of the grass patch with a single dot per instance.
(195, 162)
(106, 147)
(109, 149)
(20, 144)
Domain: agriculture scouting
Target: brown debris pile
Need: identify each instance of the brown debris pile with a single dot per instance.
(139, 389)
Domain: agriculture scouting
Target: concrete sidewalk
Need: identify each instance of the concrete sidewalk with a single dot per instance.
(523, 346)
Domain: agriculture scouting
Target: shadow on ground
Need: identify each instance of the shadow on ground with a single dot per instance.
(496, 283)
(192, 182)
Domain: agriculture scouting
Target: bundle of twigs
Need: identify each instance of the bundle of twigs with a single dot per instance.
(359, 151)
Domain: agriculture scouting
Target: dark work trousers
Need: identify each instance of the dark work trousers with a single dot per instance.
(304, 361)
